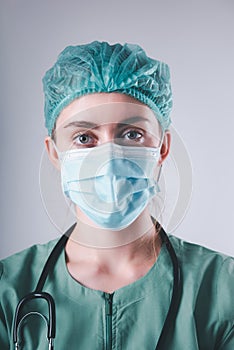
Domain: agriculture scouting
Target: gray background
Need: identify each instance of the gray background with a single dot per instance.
(194, 37)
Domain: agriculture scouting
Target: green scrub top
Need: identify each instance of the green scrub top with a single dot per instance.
(132, 317)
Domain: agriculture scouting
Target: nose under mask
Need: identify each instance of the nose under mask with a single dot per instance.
(112, 184)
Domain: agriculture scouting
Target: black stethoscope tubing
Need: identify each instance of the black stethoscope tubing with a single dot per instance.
(56, 251)
(39, 294)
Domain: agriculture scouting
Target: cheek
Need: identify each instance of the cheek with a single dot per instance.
(153, 133)
(152, 139)
(64, 140)
(155, 141)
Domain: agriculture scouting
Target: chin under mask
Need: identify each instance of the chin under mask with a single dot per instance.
(111, 184)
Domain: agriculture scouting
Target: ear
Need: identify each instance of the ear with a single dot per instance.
(165, 147)
(52, 153)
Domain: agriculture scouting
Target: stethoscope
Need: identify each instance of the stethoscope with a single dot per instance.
(51, 321)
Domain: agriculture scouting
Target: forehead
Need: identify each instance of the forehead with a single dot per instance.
(105, 108)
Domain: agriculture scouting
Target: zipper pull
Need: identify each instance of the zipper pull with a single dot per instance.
(109, 299)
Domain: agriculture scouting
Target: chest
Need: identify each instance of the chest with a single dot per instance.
(105, 280)
(111, 321)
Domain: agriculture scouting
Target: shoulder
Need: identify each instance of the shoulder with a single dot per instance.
(22, 265)
(198, 258)
(195, 253)
(210, 273)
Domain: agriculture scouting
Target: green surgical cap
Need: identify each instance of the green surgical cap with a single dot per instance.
(101, 67)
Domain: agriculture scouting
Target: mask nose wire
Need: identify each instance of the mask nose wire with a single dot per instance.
(61, 153)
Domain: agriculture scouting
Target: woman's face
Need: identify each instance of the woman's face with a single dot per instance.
(94, 119)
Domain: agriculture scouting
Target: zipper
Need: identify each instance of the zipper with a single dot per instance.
(108, 311)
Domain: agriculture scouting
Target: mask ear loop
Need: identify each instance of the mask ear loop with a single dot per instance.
(61, 156)
(160, 146)
(159, 173)
(59, 153)
(155, 221)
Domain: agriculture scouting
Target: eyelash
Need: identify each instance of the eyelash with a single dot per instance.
(134, 131)
(83, 133)
(122, 134)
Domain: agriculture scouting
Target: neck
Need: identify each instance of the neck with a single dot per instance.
(136, 244)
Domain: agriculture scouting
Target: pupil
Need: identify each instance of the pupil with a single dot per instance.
(132, 134)
(83, 138)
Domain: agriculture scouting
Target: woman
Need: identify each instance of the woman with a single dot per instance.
(119, 283)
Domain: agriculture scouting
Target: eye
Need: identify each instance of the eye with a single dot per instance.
(133, 135)
(83, 139)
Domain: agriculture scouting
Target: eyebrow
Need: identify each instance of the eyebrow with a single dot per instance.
(90, 125)
(81, 123)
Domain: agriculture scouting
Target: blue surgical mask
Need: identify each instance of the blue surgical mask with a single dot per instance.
(112, 184)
